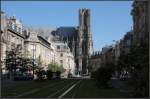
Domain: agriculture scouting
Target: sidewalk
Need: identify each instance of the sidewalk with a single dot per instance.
(123, 87)
(10, 83)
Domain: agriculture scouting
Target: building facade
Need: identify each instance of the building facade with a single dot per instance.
(12, 38)
(65, 58)
(39, 49)
(140, 13)
(35, 44)
(95, 61)
(40, 46)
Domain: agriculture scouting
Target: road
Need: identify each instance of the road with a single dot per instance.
(64, 88)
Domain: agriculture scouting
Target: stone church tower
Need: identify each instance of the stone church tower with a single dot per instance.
(84, 39)
(79, 40)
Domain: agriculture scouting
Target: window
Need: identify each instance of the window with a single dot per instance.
(61, 55)
(61, 61)
(33, 47)
(64, 47)
(13, 38)
(15, 28)
(69, 65)
(58, 47)
(17, 40)
(19, 30)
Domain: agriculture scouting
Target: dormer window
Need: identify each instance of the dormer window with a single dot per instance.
(12, 26)
(15, 28)
(58, 47)
(64, 47)
(19, 30)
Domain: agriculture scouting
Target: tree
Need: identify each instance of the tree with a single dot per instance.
(27, 64)
(139, 70)
(103, 75)
(9, 63)
(60, 68)
(13, 59)
(137, 64)
(55, 67)
(123, 64)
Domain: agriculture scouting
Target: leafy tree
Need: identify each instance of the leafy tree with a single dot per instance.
(123, 63)
(103, 75)
(27, 64)
(52, 67)
(60, 68)
(137, 64)
(55, 67)
(139, 69)
(13, 59)
(10, 63)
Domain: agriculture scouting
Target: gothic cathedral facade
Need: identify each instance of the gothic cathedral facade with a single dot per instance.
(84, 42)
(79, 40)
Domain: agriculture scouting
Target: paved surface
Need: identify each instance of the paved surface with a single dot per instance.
(122, 86)
(10, 83)
(68, 88)
(20, 89)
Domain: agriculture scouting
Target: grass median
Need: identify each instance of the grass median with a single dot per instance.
(89, 89)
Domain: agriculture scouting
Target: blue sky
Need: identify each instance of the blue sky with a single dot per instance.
(110, 20)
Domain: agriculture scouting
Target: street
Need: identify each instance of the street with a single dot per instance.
(64, 88)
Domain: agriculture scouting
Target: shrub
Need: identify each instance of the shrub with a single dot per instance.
(49, 74)
(103, 75)
(93, 74)
(41, 74)
(58, 74)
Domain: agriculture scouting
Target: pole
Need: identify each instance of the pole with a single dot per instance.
(33, 61)
(34, 48)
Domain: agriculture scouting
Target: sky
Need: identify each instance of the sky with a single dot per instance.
(110, 20)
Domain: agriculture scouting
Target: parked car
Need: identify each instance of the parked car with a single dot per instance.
(23, 76)
(70, 75)
(28, 76)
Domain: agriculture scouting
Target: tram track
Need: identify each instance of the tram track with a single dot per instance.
(49, 90)
(26, 94)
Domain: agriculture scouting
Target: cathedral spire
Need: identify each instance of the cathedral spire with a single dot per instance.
(67, 41)
(73, 46)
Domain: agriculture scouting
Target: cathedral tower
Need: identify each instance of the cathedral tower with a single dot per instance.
(85, 45)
